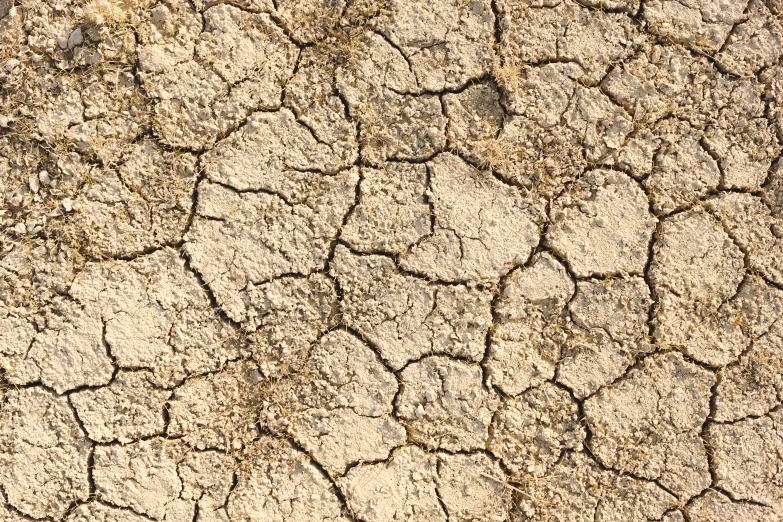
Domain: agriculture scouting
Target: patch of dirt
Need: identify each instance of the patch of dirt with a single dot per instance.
(391, 261)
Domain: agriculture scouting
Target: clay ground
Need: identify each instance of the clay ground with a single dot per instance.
(391, 261)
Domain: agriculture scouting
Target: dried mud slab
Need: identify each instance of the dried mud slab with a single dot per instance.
(429, 486)
(579, 489)
(282, 483)
(445, 405)
(601, 226)
(703, 24)
(746, 455)
(648, 423)
(696, 269)
(531, 431)
(408, 260)
(717, 506)
(43, 453)
(407, 317)
(338, 407)
(462, 248)
(294, 238)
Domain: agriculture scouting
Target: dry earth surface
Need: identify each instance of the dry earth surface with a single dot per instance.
(409, 260)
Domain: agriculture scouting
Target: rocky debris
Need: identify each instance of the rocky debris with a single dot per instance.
(445, 405)
(338, 407)
(531, 431)
(231, 247)
(462, 248)
(696, 268)
(280, 483)
(127, 409)
(405, 317)
(156, 316)
(578, 489)
(43, 453)
(746, 457)
(393, 213)
(531, 315)
(648, 423)
(218, 410)
(715, 506)
(701, 25)
(429, 486)
(601, 225)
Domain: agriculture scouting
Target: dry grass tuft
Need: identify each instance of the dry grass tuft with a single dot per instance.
(107, 12)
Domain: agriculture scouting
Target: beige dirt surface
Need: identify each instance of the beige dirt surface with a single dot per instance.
(391, 260)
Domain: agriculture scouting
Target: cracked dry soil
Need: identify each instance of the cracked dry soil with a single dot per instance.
(396, 261)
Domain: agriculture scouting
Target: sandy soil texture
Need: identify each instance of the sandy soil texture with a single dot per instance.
(391, 260)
